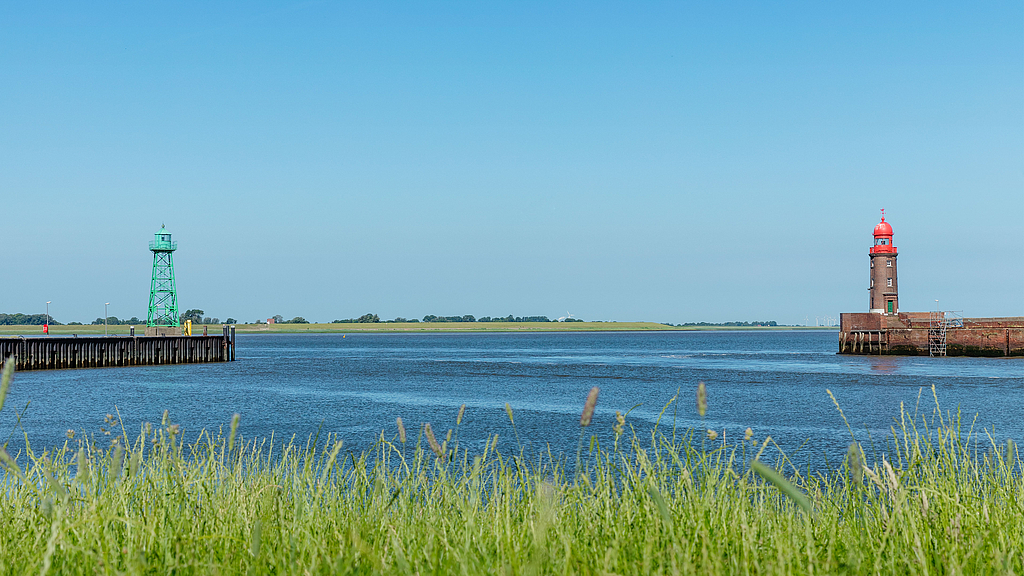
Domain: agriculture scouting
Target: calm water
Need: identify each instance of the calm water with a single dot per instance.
(773, 382)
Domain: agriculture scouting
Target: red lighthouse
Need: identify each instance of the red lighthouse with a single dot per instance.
(884, 296)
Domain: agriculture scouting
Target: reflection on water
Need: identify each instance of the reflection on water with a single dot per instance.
(773, 382)
(883, 364)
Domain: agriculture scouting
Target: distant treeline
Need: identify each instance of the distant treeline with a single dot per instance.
(366, 319)
(373, 318)
(509, 318)
(767, 323)
(25, 320)
(196, 316)
(114, 320)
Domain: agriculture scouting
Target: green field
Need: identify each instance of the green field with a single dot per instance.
(944, 501)
(409, 327)
(88, 329)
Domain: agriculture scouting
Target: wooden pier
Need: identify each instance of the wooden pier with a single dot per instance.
(54, 352)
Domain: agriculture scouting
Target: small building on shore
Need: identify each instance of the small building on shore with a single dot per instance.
(883, 329)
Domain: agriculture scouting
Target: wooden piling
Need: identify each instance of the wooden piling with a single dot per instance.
(55, 352)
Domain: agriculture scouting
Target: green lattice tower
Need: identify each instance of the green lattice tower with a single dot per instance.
(163, 299)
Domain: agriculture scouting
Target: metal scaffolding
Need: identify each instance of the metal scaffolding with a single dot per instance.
(939, 322)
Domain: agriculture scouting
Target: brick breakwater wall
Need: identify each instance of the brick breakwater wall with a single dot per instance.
(907, 333)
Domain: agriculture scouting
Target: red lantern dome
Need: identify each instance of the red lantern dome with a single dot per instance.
(883, 228)
(883, 238)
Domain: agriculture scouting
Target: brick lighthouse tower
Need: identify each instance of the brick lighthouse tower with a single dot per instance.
(884, 297)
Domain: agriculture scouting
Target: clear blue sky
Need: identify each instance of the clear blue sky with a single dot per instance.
(669, 162)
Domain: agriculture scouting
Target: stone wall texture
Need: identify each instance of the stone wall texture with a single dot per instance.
(907, 334)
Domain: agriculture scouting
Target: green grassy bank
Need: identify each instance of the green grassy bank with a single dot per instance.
(664, 503)
(402, 327)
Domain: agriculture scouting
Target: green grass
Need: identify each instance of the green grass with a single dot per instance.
(414, 327)
(404, 327)
(8, 330)
(662, 503)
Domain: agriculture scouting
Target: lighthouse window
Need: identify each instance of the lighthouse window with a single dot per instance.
(888, 263)
(888, 281)
(872, 282)
(872, 263)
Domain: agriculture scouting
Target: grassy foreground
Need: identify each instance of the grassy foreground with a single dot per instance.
(404, 327)
(658, 504)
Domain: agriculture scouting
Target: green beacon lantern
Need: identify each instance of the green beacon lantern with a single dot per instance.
(163, 299)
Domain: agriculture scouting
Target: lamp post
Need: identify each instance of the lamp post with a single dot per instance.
(46, 325)
(105, 304)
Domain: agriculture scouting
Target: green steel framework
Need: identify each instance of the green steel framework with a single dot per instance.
(163, 298)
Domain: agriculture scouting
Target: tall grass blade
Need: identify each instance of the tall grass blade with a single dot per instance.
(428, 431)
(401, 429)
(10, 464)
(782, 484)
(5, 379)
(256, 539)
(234, 429)
(663, 510)
(588, 407)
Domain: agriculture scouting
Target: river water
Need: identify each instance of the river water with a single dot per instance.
(774, 382)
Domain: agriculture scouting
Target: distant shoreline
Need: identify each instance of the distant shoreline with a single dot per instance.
(410, 328)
